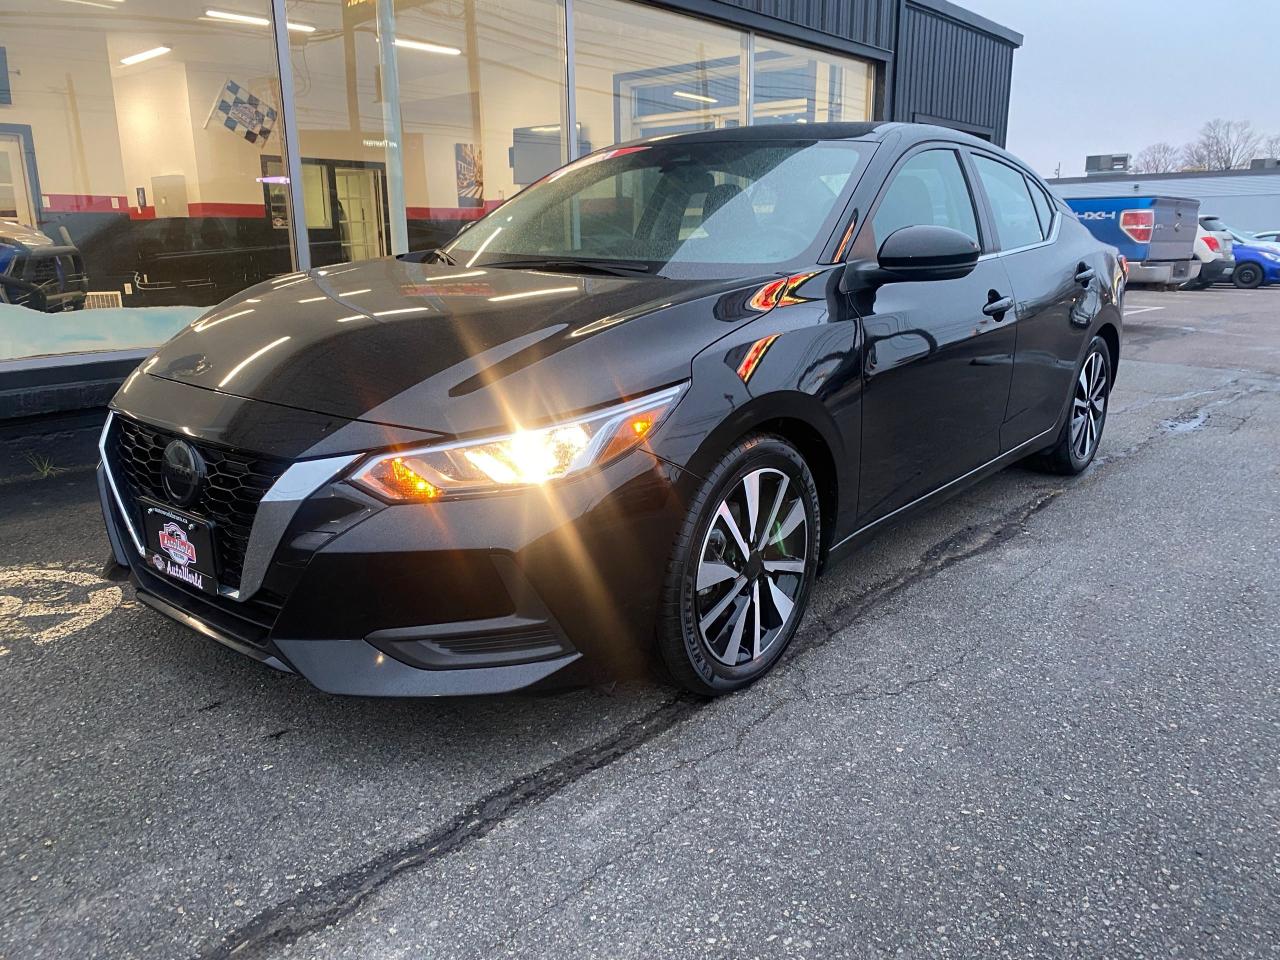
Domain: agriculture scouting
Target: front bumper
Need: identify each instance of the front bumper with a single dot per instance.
(459, 597)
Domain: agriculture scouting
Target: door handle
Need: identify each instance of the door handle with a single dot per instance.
(998, 307)
(1085, 274)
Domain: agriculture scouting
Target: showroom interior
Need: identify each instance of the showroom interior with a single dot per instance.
(187, 149)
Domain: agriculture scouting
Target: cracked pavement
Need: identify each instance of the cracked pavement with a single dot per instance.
(1041, 720)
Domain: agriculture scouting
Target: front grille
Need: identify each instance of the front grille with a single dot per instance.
(235, 485)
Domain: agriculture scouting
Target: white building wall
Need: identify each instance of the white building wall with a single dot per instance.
(1246, 201)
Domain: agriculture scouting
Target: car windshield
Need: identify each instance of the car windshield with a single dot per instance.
(689, 209)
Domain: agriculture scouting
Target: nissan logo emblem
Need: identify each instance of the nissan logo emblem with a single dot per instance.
(182, 472)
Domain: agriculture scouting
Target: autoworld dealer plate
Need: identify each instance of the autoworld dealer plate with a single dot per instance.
(180, 547)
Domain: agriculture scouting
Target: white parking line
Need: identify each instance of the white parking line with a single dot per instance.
(1130, 311)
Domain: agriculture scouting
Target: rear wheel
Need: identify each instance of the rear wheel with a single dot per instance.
(1078, 442)
(1247, 276)
(742, 568)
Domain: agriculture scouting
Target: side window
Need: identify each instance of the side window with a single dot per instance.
(1043, 209)
(1011, 205)
(930, 189)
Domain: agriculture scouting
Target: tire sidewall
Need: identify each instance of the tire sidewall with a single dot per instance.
(1097, 345)
(1253, 271)
(765, 452)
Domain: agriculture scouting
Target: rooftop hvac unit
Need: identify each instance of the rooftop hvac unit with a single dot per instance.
(1265, 163)
(1104, 163)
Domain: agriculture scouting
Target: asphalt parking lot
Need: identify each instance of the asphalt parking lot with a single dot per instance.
(1043, 720)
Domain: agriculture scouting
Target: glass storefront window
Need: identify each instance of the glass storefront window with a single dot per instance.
(643, 72)
(797, 85)
(417, 118)
(144, 177)
(133, 148)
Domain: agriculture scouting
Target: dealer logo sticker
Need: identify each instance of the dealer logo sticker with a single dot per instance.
(174, 542)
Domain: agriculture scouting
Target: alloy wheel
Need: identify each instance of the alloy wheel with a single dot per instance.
(752, 567)
(1088, 406)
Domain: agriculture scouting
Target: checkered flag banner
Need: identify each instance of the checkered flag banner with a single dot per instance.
(243, 114)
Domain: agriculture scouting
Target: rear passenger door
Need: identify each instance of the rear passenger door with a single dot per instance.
(1042, 267)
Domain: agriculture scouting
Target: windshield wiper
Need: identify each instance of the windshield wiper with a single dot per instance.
(619, 268)
(439, 254)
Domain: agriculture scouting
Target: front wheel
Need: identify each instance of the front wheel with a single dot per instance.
(1078, 442)
(742, 568)
(1247, 276)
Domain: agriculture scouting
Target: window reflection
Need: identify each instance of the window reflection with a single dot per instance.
(797, 85)
(642, 72)
(142, 169)
(134, 140)
(450, 108)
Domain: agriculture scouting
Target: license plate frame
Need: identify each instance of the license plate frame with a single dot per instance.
(180, 546)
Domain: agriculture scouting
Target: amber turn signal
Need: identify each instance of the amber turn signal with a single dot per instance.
(398, 480)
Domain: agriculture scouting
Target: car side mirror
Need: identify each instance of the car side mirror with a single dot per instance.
(915, 254)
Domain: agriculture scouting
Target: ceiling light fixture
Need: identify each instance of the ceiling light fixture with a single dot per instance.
(427, 47)
(237, 18)
(144, 55)
(700, 98)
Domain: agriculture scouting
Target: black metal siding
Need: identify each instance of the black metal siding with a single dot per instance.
(871, 22)
(860, 27)
(948, 72)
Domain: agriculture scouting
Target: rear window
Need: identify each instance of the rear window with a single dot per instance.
(1214, 225)
(1017, 221)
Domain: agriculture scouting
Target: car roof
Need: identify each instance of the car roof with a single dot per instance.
(874, 132)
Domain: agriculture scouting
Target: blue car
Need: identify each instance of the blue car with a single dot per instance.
(1257, 262)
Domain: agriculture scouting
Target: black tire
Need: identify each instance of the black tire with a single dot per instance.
(1197, 285)
(1247, 276)
(706, 545)
(1068, 456)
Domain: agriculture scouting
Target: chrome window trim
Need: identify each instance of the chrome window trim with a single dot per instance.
(275, 511)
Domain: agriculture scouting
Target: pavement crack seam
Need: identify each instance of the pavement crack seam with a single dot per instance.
(321, 907)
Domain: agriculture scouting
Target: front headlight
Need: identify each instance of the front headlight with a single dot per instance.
(522, 458)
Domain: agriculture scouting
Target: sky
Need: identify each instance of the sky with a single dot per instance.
(1113, 76)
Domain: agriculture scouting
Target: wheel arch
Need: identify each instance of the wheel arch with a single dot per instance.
(1110, 333)
(804, 422)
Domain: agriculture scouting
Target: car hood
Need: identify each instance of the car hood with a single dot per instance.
(454, 350)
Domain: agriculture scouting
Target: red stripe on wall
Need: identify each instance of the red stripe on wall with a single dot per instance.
(252, 210)
(83, 203)
(451, 213)
(91, 203)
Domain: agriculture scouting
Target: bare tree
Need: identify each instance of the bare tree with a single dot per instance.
(1222, 145)
(1158, 158)
(1270, 146)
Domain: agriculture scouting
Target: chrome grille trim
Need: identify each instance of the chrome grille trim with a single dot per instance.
(274, 514)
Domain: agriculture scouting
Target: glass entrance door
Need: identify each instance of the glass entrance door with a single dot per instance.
(360, 212)
(15, 190)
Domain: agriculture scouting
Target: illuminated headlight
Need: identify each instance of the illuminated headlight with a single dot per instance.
(525, 457)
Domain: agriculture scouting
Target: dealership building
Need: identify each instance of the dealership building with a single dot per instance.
(177, 151)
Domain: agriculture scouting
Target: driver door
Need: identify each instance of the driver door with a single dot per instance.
(939, 355)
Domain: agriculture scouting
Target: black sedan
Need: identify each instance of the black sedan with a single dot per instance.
(635, 409)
